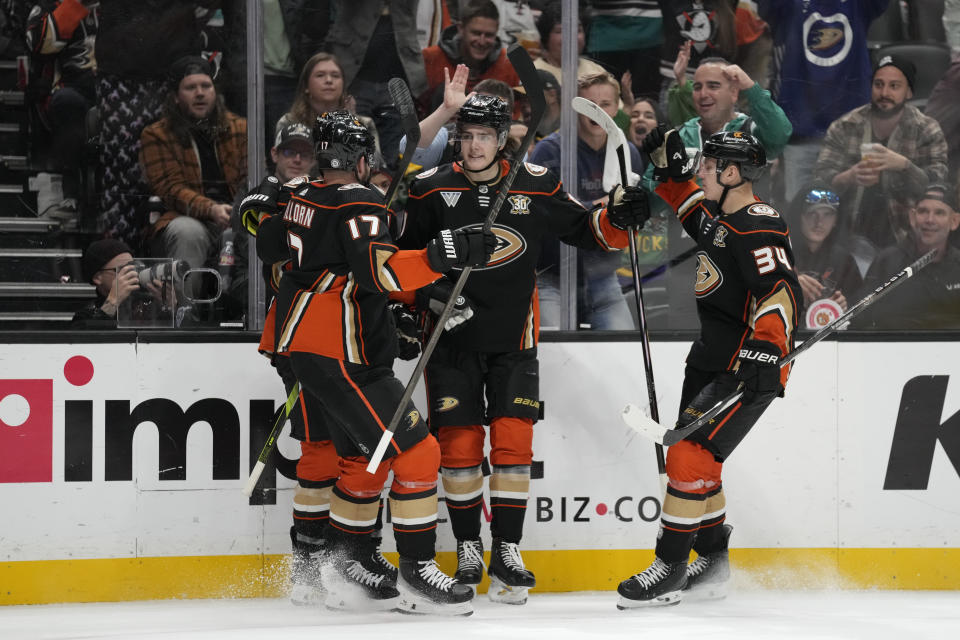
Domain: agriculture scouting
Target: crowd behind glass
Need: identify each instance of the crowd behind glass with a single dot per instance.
(139, 117)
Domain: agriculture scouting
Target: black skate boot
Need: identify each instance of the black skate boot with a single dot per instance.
(509, 579)
(374, 561)
(305, 562)
(469, 562)
(353, 587)
(707, 576)
(659, 584)
(426, 589)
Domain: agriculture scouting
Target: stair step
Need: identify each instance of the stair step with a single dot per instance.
(36, 316)
(40, 253)
(9, 127)
(27, 225)
(15, 163)
(46, 290)
(11, 97)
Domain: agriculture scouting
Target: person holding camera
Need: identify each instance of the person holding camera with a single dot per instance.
(110, 267)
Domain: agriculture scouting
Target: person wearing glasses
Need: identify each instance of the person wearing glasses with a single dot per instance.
(825, 266)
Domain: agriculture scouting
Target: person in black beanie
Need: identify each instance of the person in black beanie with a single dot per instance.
(108, 265)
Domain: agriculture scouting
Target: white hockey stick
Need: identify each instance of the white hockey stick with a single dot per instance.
(636, 419)
(615, 134)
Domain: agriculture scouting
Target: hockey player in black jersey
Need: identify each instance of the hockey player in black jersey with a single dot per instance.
(333, 321)
(486, 372)
(748, 302)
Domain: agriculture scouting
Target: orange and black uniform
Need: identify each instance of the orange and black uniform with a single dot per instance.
(487, 371)
(332, 320)
(318, 467)
(746, 289)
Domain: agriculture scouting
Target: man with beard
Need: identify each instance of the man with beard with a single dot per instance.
(195, 160)
(883, 155)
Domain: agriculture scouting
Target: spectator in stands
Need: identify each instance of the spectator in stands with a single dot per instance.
(931, 300)
(825, 266)
(320, 89)
(716, 87)
(136, 44)
(195, 160)
(551, 36)
(551, 95)
(882, 155)
(600, 299)
(433, 148)
(942, 107)
(375, 41)
(61, 36)
(644, 118)
(472, 42)
(517, 23)
(626, 36)
(433, 16)
(823, 71)
(108, 265)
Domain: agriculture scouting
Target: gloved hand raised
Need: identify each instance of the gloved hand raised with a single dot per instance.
(408, 332)
(628, 207)
(260, 201)
(459, 248)
(434, 296)
(668, 155)
(759, 369)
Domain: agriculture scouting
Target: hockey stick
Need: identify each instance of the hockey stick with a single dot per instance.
(635, 418)
(529, 78)
(594, 112)
(411, 127)
(279, 419)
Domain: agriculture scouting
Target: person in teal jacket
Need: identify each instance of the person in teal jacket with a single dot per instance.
(713, 95)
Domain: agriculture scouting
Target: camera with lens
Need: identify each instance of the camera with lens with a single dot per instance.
(166, 271)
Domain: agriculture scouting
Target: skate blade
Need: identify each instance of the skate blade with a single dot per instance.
(505, 594)
(414, 604)
(347, 601)
(304, 595)
(666, 600)
(706, 592)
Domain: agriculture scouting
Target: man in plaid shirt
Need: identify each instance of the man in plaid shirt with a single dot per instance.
(195, 160)
(880, 157)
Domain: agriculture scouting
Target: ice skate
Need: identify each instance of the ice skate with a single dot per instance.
(307, 588)
(424, 588)
(469, 562)
(353, 587)
(375, 562)
(658, 585)
(708, 575)
(509, 579)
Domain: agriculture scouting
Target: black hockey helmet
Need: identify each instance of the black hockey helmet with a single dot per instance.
(486, 110)
(739, 148)
(340, 140)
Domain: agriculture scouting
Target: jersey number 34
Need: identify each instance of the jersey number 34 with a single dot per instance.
(767, 258)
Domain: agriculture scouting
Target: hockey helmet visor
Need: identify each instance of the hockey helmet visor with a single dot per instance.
(735, 147)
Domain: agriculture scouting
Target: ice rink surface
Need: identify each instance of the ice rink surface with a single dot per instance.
(744, 615)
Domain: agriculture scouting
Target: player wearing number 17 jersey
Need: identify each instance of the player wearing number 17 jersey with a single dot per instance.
(748, 302)
(334, 323)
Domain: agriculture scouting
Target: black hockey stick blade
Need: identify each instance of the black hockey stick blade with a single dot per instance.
(402, 99)
(279, 419)
(636, 419)
(530, 79)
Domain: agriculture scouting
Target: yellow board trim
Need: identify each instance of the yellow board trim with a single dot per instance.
(266, 576)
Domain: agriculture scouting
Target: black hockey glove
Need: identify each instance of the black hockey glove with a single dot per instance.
(668, 155)
(260, 201)
(434, 296)
(759, 369)
(408, 333)
(628, 207)
(459, 248)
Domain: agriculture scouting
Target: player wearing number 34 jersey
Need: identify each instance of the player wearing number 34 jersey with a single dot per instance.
(748, 303)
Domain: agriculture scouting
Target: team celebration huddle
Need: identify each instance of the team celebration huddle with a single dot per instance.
(451, 278)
